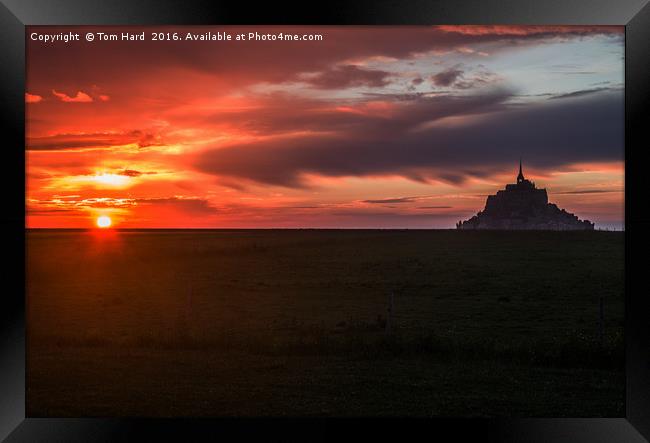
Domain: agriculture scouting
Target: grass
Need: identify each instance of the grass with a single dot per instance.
(285, 322)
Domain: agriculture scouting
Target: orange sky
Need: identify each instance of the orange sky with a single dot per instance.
(368, 127)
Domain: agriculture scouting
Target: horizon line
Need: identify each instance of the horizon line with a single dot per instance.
(307, 229)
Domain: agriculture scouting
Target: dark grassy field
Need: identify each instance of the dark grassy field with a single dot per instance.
(275, 323)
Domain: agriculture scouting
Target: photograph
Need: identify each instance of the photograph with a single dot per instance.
(325, 221)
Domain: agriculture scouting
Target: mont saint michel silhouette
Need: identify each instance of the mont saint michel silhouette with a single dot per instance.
(522, 206)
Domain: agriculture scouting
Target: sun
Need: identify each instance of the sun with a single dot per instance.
(104, 221)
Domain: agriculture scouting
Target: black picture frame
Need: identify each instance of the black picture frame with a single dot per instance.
(16, 14)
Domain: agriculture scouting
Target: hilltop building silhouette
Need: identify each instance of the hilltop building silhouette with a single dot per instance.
(522, 206)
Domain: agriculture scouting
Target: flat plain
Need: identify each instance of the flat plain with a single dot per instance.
(293, 323)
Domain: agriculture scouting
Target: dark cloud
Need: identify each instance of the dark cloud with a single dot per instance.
(305, 207)
(281, 161)
(189, 205)
(578, 93)
(447, 77)
(402, 97)
(576, 72)
(347, 76)
(130, 173)
(50, 211)
(93, 140)
(284, 114)
(39, 175)
(404, 200)
(435, 207)
(414, 142)
(542, 94)
(462, 77)
(392, 200)
(479, 78)
(134, 173)
(72, 141)
(147, 139)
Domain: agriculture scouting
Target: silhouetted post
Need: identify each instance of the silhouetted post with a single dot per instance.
(389, 316)
(601, 321)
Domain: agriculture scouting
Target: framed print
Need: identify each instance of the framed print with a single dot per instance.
(426, 218)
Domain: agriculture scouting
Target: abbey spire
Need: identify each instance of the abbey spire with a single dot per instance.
(520, 177)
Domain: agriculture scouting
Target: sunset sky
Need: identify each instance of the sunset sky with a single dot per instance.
(372, 127)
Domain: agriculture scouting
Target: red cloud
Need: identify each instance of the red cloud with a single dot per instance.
(81, 97)
(524, 31)
(57, 142)
(32, 98)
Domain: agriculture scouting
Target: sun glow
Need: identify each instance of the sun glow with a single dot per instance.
(99, 180)
(104, 221)
(110, 179)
